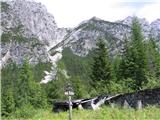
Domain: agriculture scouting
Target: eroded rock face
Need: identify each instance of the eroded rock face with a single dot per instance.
(32, 30)
(146, 27)
(32, 50)
(87, 34)
(34, 18)
(83, 38)
(31, 20)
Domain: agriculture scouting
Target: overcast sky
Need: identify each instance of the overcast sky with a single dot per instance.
(69, 13)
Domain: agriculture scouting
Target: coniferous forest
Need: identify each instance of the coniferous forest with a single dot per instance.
(136, 67)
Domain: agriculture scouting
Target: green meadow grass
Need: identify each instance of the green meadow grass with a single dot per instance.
(105, 113)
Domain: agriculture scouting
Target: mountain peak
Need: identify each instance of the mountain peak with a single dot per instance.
(95, 18)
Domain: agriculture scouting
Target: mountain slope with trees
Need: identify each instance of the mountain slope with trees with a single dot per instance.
(127, 58)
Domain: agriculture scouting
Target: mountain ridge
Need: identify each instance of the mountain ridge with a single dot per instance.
(33, 32)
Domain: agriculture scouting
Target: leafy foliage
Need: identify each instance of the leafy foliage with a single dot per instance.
(27, 111)
(4, 6)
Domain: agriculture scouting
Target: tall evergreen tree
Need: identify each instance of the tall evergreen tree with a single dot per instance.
(139, 55)
(24, 84)
(102, 69)
(134, 62)
(28, 91)
(7, 101)
(8, 104)
(153, 57)
(126, 66)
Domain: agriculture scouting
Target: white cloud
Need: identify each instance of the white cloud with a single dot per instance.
(69, 13)
(150, 12)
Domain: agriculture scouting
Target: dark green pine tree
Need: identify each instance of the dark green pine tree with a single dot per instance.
(24, 85)
(8, 104)
(37, 97)
(102, 69)
(7, 88)
(126, 66)
(134, 61)
(153, 57)
(139, 55)
(28, 91)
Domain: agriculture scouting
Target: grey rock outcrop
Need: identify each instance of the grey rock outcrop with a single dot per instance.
(146, 27)
(83, 38)
(33, 31)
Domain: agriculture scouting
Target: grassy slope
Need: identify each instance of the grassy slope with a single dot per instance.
(106, 113)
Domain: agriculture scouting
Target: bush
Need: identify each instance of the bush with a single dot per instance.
(80, 88)
(153, 82)
(26, 111)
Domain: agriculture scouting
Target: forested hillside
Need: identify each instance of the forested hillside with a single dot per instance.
(96, 57)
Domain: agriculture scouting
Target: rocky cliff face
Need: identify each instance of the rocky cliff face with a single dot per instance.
(84, 37)
(36, 31)
(32, 30)
(146, 27)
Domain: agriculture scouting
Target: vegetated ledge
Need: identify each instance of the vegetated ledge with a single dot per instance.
(145, 97)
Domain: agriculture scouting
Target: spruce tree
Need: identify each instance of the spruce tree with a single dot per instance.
(101, 70)
(24, 84)
(139, 55)
(28, 91)
(153, 57)
(7, 91)
(134, 61)
(37, 96)
(8, 104)
(126, 66)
